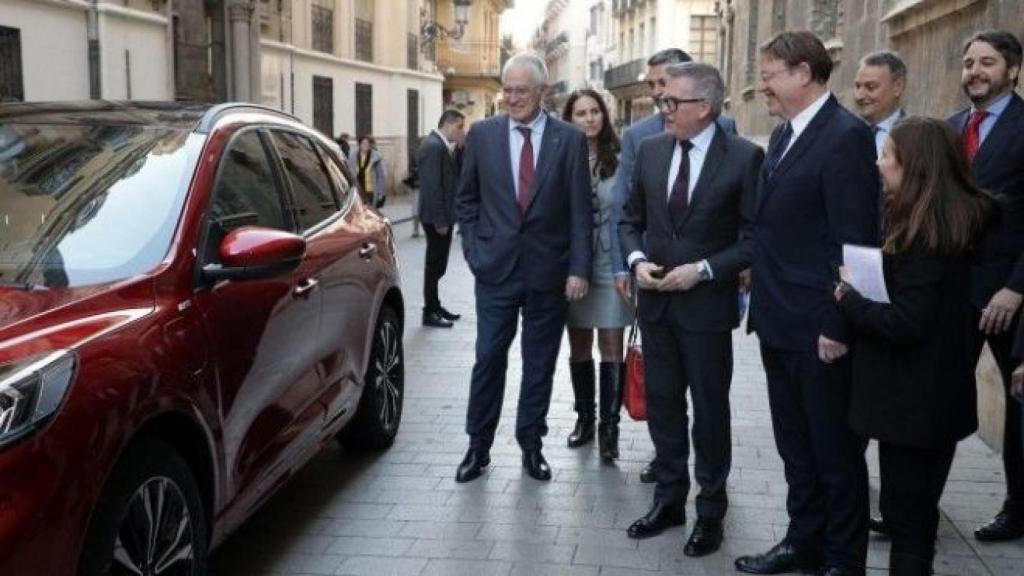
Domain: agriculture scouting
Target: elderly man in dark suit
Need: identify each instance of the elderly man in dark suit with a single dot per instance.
(992, 133)
(437, 168)
(525, 214)
(694, 191)
(819, 190)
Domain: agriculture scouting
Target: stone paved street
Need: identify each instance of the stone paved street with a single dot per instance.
(401, 512)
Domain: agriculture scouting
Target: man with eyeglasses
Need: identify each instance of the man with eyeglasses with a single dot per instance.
(525, 215)
(683, 230)
(653, 125)
(819, 190)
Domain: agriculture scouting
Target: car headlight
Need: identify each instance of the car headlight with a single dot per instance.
(31, 391)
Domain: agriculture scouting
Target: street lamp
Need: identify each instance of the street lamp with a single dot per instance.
(432, 30)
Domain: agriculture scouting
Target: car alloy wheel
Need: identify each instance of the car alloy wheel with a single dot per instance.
(155, 536)
(388, 371)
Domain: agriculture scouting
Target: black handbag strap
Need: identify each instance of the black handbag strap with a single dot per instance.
(634, 330)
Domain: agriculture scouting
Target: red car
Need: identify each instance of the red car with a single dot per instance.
(193, 300)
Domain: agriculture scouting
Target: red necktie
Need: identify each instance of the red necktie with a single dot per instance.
(972, 135)
(525, 170)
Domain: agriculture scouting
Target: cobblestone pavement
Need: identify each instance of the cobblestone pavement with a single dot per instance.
(401, 512)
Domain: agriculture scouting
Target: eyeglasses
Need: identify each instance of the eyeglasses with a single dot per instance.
(767, 75)
(670, 104)
(517, 91)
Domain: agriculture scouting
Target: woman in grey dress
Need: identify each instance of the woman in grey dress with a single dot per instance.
(607, 306)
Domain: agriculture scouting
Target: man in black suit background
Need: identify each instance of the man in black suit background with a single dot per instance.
(526, 217)
(437, 167)
(992, 133)
(694, 190)
(878, 92)
(819, 189)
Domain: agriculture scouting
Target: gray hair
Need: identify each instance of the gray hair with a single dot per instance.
(890, 60)
(530, 60)
(707, 82)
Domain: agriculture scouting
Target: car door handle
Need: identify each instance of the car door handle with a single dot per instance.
(368, 250)
(305, 287)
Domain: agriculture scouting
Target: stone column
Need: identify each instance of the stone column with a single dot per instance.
(240, 14)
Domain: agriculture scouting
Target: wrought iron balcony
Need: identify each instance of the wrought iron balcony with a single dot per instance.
(624, 74)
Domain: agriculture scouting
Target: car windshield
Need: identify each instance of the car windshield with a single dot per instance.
(87, 204)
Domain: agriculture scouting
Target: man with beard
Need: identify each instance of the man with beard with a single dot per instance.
(992, 133)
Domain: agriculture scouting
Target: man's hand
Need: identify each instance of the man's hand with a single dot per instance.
(680, 278)
(829, 350)
(622, 287)
(998, 315)
(576, 288)
(1017, 383)
(442, 230)
(643, 275)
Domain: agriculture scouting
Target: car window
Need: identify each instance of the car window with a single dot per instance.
(312, 192)
(245, 193)
(342, 185)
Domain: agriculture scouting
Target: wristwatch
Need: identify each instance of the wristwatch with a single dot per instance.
(703, 271)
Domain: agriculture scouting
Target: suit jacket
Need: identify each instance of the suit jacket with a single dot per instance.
(716, 228)
(913, 372)
(438, 180)
(553, 238)
(999, 169)
(641, 130)
(823, 193)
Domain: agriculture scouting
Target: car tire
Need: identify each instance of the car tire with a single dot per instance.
(379, 414)
(151, 479)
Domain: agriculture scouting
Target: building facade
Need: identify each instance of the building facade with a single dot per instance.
(600, 46)
(561, 39)
(74, 49)
(641, 28)
(463, 38)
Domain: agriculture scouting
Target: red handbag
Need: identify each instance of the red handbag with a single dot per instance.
(634, 396)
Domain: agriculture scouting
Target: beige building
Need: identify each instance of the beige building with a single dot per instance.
(78, 49)
(641, 28)
(561, 39)
(463, 38)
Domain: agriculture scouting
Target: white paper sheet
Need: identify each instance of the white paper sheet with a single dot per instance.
(864, 265)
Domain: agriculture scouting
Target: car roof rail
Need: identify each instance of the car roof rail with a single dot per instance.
(218, 111)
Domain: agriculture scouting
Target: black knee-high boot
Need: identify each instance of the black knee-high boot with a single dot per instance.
(582, 375)
(612, 376)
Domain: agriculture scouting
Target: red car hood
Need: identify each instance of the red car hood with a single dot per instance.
(38, 321)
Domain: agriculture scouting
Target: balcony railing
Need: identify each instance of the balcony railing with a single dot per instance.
(469, 58)
(624, 75)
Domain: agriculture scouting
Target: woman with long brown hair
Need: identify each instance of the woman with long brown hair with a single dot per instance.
(606, 307)
(913, 373)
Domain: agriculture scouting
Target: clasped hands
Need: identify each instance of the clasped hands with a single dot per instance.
(679, 279)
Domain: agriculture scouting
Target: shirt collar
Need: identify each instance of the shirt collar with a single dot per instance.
(536, 126)
(887, 124)
(702, 141)
(446, 141)
(801, 120)
(996, 108)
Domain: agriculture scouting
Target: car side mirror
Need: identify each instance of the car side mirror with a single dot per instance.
(254, 252)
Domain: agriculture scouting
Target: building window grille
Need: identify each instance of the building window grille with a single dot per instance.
(12, 86)
(364, 40)
(323, 29)
(412, 51)
(704, 38)
(752, 42)
(364, 109)
(323, 105)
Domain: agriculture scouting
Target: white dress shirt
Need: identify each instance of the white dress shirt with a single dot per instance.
(883, 128)
(449, 144)
(698, 152)
(800, 121)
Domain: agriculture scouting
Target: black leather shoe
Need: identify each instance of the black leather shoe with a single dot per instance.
(782, 558)
(447, 315)
(659, 518)
(535, 465)
(705, 538)
(1005, 526)
(435, 320)
(472, 466)
(647, 475)
(877, 525)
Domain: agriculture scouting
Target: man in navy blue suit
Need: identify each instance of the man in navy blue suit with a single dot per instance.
(819, 190)
(525, 215)
(992, 133)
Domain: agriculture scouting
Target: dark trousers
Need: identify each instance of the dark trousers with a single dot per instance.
(1013, 449)
(676, 360)
(435, 265)
(824, 461)
(543, 317)
(912, 483)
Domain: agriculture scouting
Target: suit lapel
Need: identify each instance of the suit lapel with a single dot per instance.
(549, 143)
(712, 161)
(657, 196)
(997, 138)
(505, 159)
(806, 138)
